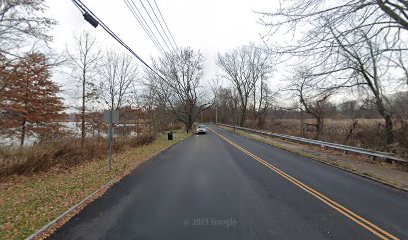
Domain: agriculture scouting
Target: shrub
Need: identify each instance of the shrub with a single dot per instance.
(62, 153)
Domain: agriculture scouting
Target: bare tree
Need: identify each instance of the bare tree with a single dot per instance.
(118, 73)
(397, 10)
(262, 101)
(19, 21)
(399, 63)
(84, 60)
(227, 103)
(348, 45)
(160, 117)
(356, 61)
(400, 104)
(4, 65)
(313, 100)
(317, 45)
(381, 16)
(363, 57)
(179, 85)
(244, 67)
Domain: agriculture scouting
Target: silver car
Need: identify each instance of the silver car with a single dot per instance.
(201, 129)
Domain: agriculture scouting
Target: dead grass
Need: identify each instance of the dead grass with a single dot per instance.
(28, 202)
(370, 133)
(63, 153)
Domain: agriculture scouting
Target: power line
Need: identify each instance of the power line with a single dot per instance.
(147, 25)
(161, 15)
(86, 11)
(82, 9)
(161, 26)
(152, 37)
(154, 24)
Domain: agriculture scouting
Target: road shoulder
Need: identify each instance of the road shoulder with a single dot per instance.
(385, 173)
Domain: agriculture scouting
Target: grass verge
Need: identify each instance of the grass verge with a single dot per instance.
(64, 153)
(29, 202)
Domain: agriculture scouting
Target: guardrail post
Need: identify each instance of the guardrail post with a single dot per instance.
(345, 152)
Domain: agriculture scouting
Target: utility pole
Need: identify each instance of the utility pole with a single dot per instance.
(110, 140)
(216, 115)
(83, 109)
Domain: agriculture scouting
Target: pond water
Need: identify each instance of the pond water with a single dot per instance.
(72, 127)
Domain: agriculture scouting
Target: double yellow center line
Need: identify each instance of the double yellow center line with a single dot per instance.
(341, 209)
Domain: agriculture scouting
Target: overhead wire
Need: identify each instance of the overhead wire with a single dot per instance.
(154, 24)
(140, 17)
(161, 26)
(161, 15)
(147, 25)
(150, 34)
(84, 9)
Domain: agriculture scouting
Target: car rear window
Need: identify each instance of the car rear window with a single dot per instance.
(201, 126)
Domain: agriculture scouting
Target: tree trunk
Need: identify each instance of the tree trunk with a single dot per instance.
(319, 127)
(190, 121)
(23, 131)
(243, 117)
(188, 127)
(261, 121)
(353, 126)
(302, 123)
(389, 136)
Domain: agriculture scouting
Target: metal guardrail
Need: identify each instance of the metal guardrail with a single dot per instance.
(345, 148)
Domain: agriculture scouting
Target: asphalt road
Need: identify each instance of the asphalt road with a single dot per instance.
(208, 187)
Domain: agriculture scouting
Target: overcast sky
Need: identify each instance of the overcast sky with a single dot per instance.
(210, 26)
